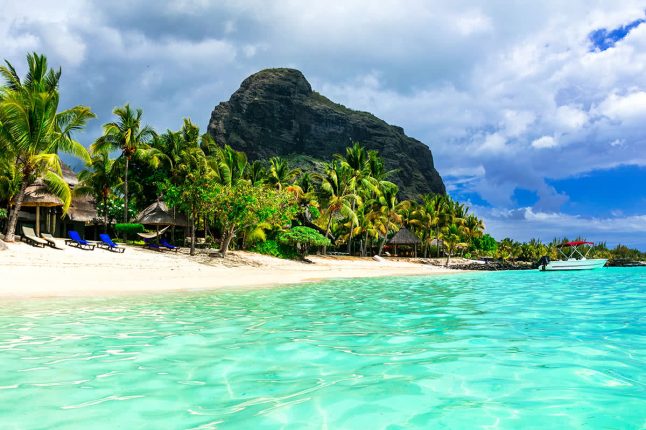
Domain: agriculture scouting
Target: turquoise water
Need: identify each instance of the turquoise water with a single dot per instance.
(504, 350)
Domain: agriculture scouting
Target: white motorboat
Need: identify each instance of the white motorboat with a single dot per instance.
(574, 258)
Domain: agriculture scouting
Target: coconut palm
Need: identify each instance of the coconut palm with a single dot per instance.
(127, 135)
(452, 240)
(256, 173)
(280, 174)
(228, 165)
(337, 193)
(99, 181)
(34, 132)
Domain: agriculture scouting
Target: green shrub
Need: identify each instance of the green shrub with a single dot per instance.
(3, 213)
(273, 248)
(302, 238)
(128, 230)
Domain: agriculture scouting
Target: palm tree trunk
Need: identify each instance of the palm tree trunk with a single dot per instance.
(125, 196)
(10, 236)
(381, 245)
(226, 240)
(327, 233)
(193, 233)
(105, 214)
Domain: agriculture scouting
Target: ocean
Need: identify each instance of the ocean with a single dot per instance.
(502, 350)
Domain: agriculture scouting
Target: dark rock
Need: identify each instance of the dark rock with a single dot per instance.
(275, 112)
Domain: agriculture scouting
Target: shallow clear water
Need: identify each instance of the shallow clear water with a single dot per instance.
(485, 350)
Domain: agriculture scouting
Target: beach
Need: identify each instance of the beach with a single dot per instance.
(27, 271)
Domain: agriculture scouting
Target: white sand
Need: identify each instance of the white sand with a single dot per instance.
(26, 271)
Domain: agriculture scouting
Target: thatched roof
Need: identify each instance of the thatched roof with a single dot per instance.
(38, 195)
(69, 175)
(83, 209)
(403, 237)
(159, 214)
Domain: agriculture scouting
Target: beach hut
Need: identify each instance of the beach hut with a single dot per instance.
(158, 214)
(404, 237)
(43, 210)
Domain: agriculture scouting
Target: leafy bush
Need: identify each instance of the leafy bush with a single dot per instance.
(302, 238)
(128, 230)
(3, 213)
(273, 248)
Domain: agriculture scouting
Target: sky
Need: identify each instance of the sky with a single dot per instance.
(534, 111)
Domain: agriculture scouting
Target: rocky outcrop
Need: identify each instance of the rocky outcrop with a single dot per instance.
(275, 112)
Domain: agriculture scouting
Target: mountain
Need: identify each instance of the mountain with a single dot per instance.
(275, 112)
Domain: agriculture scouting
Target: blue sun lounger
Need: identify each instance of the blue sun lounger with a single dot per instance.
(151, 244)
(167, 245)
(76, 241)
(107, 243)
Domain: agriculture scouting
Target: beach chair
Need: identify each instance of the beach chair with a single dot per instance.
(165, 244)
(29, 236)
(52, 241)
(107, 243)
(76, 241)
(151, 244)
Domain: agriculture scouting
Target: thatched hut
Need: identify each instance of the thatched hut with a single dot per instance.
(43, 211)
(404, 237)
(159, 214)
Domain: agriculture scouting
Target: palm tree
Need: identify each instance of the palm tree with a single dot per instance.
(387, 213)
(280, 174)
(337, 193)
(34, 132)
(133, 140)
(228, 165)
(256, 173)
(451, 241)
(99, 181)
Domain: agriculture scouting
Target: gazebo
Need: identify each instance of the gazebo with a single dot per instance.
(159, 214)
(404, 237)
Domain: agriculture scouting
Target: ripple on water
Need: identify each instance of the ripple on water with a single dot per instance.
(500, 350)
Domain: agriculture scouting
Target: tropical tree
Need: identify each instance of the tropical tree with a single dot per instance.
(243, 206)
(336, 193)
(303, 238)
(452, 240)
(280, 174)
(131, 138)
(33, 131)
(99, 181)
(228, 165)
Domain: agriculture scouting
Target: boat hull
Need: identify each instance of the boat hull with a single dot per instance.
(575, 264)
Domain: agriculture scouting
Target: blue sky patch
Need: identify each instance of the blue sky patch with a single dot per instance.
(603, 39)
(524, 198)
(605, 193)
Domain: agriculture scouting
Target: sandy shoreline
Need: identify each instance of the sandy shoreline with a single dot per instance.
(26, 271)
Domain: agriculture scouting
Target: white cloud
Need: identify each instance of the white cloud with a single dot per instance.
(570, 118)
(484, 85)
(544, 142)
(628, 108)
(526, 223)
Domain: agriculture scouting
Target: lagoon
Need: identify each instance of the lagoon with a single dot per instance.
(477, 350)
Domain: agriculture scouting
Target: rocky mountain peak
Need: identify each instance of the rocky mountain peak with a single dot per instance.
(275, 112)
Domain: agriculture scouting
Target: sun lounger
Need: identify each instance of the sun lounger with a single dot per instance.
(29, 236)
(167, 245)
(107, 243)
(151, 244)
(52, 241)
(76, 241)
